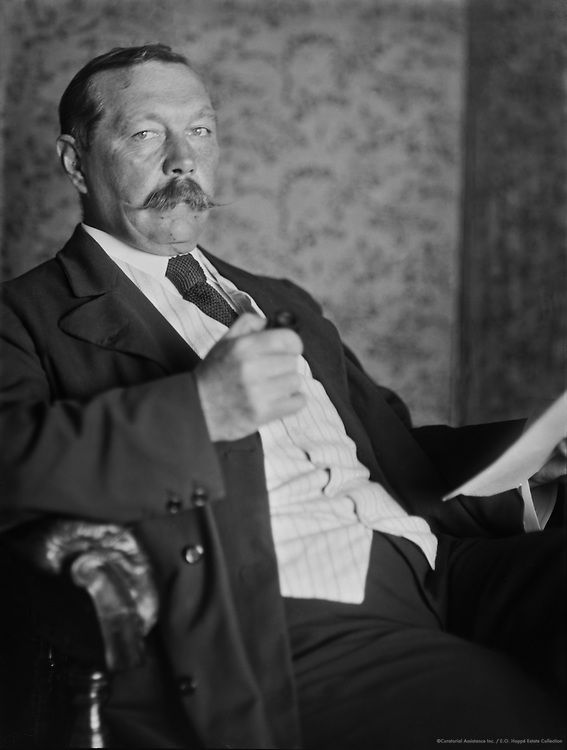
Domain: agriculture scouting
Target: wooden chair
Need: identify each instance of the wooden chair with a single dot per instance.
(53, 678)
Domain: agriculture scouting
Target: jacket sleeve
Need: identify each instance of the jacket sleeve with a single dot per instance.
(461, 452)
(123, 455)
(390, 397)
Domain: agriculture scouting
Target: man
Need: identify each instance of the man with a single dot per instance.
(286, 504)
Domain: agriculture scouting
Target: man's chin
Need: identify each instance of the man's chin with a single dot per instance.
(155, 231)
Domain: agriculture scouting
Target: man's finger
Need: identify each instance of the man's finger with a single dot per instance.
(280, 340)
(245, 323)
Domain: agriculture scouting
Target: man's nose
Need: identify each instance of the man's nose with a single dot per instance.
(179, 158)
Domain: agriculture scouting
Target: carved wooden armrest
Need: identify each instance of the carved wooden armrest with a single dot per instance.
(105, 561)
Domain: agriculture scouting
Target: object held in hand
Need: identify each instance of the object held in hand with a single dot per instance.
(283, 319)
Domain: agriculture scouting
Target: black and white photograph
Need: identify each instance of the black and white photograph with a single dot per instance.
(283, 374)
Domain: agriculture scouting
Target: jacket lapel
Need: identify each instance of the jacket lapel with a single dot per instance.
(115, 314)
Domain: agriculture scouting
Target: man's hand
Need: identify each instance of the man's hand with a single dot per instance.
(554, 469)
(249, 378)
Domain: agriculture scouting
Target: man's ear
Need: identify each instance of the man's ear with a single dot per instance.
(70, 158)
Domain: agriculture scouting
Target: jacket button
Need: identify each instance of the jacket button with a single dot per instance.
(186, 685)
(193, 553)
(199, 497)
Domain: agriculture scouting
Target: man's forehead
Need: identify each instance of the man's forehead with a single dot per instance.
(153, 77)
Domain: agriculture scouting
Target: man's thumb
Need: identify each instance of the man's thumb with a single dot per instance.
(246, 323)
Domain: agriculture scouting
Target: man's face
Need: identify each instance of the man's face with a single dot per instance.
(158, 127)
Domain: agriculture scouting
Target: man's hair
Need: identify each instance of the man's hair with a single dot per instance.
(81, 107)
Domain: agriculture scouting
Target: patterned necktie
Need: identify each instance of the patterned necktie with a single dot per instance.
(188, 277)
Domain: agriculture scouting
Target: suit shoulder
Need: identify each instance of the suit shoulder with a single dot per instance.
(42, 272)
(36, 290)
(302, 293)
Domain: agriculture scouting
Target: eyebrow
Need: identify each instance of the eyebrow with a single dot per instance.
(203, 112)
(206, 111)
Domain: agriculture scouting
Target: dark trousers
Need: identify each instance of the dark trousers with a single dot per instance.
(474, 651)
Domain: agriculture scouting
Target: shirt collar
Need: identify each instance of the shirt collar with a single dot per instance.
(155, 265)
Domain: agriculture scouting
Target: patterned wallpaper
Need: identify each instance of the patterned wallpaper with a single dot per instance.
(340, 125)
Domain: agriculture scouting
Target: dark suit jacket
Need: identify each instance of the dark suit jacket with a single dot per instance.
(100, 419)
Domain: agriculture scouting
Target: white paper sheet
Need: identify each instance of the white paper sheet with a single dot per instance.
(524, 457)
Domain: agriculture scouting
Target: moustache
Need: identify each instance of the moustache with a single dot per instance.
(179, 191)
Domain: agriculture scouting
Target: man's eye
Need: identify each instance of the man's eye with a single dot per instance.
(144, 135)
(201, 131)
